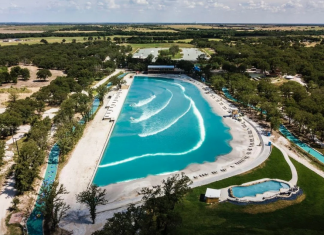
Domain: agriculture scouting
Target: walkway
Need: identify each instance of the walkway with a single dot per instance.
(283, 143)
(7, 193)
(106, 79)
(294, 178)
(263, 156)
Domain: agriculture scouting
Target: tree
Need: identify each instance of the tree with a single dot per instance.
(13, 96)
(149, 59)
(63, 40)
(218, 82)
(2, 151)
(44, 41)
(92, 197)
(52, 205)
(187, 66)
(291, 111)
(157, 214)
(174, 50)
(43, 74)
(275, 123)
(25, 74)
(73, 40)
(14, 73)
(102, 90)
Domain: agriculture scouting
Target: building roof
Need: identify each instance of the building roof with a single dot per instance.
(213, 193)
(161, 66)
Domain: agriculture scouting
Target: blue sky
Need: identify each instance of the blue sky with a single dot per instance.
(218, 11)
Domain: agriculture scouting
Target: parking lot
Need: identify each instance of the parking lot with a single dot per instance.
(190, 54)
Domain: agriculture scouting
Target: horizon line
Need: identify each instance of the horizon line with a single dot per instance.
(189, 23)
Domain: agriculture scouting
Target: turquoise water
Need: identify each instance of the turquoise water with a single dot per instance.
(300, 144)
(34, 224)
(164, 126)
(228, 95)
(122, 75)
(253, 190)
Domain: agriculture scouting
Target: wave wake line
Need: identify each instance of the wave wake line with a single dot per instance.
(167, 126)
(150, 114)
(202, 134)
(145, 101)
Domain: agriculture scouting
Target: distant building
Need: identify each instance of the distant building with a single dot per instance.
(11, 40)
(163, 69)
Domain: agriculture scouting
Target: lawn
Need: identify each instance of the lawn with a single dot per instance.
(184, 40)
(303, 216)
(179, 55)
(36, 40)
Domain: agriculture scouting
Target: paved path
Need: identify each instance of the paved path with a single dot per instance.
(6, 195)
(294, 174)
(283, 143)
(106, 79)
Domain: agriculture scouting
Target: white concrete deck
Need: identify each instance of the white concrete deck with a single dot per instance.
(80, 170)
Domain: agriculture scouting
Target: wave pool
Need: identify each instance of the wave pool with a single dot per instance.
(164, 126)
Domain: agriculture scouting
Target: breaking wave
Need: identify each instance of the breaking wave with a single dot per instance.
(165, 127)
(150, 113)
(145, 102)
(202, 133)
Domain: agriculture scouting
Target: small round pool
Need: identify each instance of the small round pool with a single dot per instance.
(259, 188)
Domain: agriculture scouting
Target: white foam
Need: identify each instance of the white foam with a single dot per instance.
(165, 127)
(168, 173)
(145, 102)
(202, 133)
(151, 113)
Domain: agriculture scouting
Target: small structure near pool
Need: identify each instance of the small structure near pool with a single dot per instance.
(212, 195)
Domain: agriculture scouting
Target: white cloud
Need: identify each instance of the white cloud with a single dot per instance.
(313, 5)
(140, 2)
(88, 5)
(292, 5)
(260, 5)
(271, 11)
(221, 5)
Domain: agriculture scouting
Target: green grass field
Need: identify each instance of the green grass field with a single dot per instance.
(35, 27)
(184, 40)
(36, 40)
(302, 216)
(215, 39)
(31, 41)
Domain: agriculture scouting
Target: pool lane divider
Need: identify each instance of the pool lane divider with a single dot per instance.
(35, 221)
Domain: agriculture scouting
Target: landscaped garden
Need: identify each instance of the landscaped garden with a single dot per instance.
(301, 216)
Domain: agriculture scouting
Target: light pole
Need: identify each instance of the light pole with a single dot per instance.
(15, 140)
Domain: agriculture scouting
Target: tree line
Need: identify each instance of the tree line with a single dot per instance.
(84, 62)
